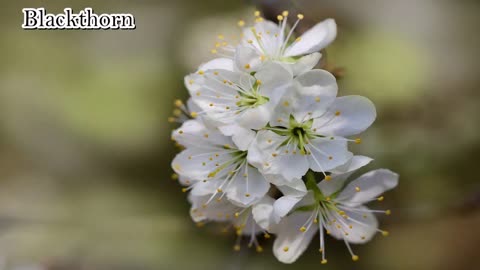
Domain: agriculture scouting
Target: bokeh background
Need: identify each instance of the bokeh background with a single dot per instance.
(85, 144)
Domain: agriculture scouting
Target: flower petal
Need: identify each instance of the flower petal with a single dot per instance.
(315, 39)
(368, 186)
(291, 242)
(247, 187)
(305, 63)
(216, 210)
(363, 224)
(327, 154)
(247, 59)
(349, 115)
(316, 90)
(340, 175)
(218, 63)
(242, 137)
(193, 133)
(263, 213)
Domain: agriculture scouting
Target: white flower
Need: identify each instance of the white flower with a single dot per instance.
(267, 41)
(247, 221)
(338, 212)
(213, 163)
(236, 97)
(308, 128)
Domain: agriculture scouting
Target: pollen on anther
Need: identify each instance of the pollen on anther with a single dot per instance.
(285, 249)
(380, 198)
(247, 195)
(303, 229)
(385, 233)
(247, 66)
(358, 141)
(328, 177)
(280, 17)
(259, 249)
(286, 103)
(324, 261)
(300, 16)
(298, 39)
(256, 13)
(180, 131)
(193, 114)
(219, 190)
(236, 247)
(355, 258)
(285, 13)
(388, 212)
(174, 176)
(357, 189)
(241, 23)
(213, 51)
(337, 113)
(266, 236)
(201, 72)
(330, 157)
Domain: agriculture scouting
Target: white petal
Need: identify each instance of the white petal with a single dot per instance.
(262, 37)
(247, 187)
(274, 78)
(263, 213)
(295, 187)
(247, 59)
(305, 63)
(348, 116)
(290, 237)
(327, 154)
(255, 118)
(317, 90)
(363, 226)
(242, 137)
(216, 211)
(340, 175)
(368, 186)
(285, 204)
(194, 133)
(315, 39)
(218, 63)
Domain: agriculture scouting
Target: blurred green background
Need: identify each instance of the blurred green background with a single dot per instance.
(85, 144)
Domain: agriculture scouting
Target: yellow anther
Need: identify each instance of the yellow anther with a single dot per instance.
(327, 199)
(285, 249)
(357, 189)
(303, 229)
(388, 212)
(385, 233)
(201, 72)
(200, 224)
(184, 190)
(259, 19)
(259, 82)
(300, 16)
(380, 198)
(328, 232)
(213, 51)
(221, 37)
(298, 39)
(215, 73)
(256, 13)
(178, 103)
(198, 93)
(280, 17)
(219, 190)
(317, 99)
(247, 195)
(262, 57)
(324, 261)
(247, 66)
(171, 119)
(237, 214)
(241, 23)
(286, 103)
(211, 104)
(236, 247)
(177, 112)
(337, 113)
(250, 41)
(180, 131)
(358, 141)
(363, 237)
(227, 108)
(315, 221)
(174, 176)
(266, 235)
(206, 136)
(330, 157)
(355, 258)
(285, 13)
(259, 249)
(328, 177)
(193, 114)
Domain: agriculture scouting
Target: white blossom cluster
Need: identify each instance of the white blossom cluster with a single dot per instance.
(265, 143)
